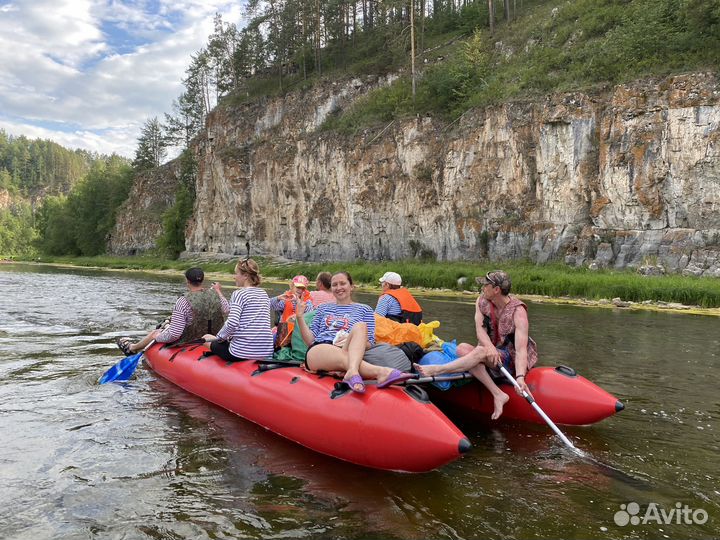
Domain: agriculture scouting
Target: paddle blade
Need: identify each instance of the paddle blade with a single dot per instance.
(123, 370)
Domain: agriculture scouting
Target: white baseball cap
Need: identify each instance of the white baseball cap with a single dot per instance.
(393, 278)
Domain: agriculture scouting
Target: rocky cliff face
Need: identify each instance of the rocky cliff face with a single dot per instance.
(616, 179)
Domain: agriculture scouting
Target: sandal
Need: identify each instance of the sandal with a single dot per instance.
(396, 377)
(124, 344)
(356, 384)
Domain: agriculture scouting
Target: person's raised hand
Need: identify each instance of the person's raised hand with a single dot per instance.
(300, 308)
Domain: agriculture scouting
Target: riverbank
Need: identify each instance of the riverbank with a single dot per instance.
(556, 283)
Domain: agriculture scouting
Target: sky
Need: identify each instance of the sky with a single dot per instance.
(89, 73)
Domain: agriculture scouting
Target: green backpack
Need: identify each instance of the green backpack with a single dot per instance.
(297, 349)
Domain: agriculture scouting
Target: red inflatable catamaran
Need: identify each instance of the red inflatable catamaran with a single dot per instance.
(397, 428)
(566, 397)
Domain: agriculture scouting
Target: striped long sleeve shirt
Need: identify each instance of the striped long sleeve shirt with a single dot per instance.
(248, 324)
(388, 305)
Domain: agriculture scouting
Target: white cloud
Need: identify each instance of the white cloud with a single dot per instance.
(88, 73)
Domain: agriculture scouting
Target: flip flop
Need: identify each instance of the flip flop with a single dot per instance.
(353, 381)
(396, 376)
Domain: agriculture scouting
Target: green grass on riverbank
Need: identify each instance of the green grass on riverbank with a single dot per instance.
(554, 280)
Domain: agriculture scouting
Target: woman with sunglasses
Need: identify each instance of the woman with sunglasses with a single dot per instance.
(339, 336)
(246, 334)
(501, 325)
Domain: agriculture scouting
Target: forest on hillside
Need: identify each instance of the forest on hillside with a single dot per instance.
(453, 55)
(55, 199)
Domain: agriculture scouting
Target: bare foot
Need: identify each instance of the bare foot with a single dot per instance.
(429, 370)
(499, 400)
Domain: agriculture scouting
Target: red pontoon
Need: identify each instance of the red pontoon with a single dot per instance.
(566, 397)
(395, 429)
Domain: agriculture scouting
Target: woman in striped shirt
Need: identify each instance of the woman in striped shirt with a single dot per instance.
(339, 336)
(246, 334)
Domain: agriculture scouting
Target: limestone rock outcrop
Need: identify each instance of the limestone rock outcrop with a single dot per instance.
(139, 220)
(617, 178)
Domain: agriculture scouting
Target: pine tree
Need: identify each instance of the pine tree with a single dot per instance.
(152, 146)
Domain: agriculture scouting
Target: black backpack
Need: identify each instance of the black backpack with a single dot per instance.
(412, 350)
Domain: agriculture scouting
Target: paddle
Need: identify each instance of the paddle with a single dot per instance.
(542, 414)
(124, 369)
(419, 379)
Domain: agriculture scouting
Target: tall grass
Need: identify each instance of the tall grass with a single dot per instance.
(555, 280)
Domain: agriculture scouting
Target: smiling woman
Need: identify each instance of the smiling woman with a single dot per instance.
(340, 335)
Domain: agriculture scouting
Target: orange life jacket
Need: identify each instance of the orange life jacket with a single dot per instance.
(411, 310)
(285, 330)
(289, 309)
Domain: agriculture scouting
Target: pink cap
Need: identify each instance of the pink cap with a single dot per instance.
(300, 281)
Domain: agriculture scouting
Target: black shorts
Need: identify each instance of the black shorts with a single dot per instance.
(310, 347)
(222, 349)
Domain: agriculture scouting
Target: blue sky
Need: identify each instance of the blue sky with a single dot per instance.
(88, 73)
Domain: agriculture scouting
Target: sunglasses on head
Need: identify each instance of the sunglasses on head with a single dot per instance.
(244, 263)
(492, 279)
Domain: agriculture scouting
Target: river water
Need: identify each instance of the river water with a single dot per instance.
(147, 460)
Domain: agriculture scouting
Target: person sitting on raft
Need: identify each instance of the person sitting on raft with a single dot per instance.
(501, 324)
(285, 303)
(396, 302)
(339, 336)
(246, 334)
(196, 312)
(322, 295)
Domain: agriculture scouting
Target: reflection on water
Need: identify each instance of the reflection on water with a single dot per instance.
(146, 459)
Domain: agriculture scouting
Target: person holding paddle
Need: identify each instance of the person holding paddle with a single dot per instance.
(339, 336)
(501, 324)
(195, 313)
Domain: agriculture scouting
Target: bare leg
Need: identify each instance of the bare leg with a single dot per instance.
(371, 371)
(464, 363)
(144, 342)
(474, 362)
(500, 398)
(331, 358)
(356, 345)
(326, 357)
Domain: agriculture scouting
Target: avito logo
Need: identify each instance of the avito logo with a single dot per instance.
(682, 514)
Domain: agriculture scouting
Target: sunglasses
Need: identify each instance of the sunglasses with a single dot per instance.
(492, 279)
